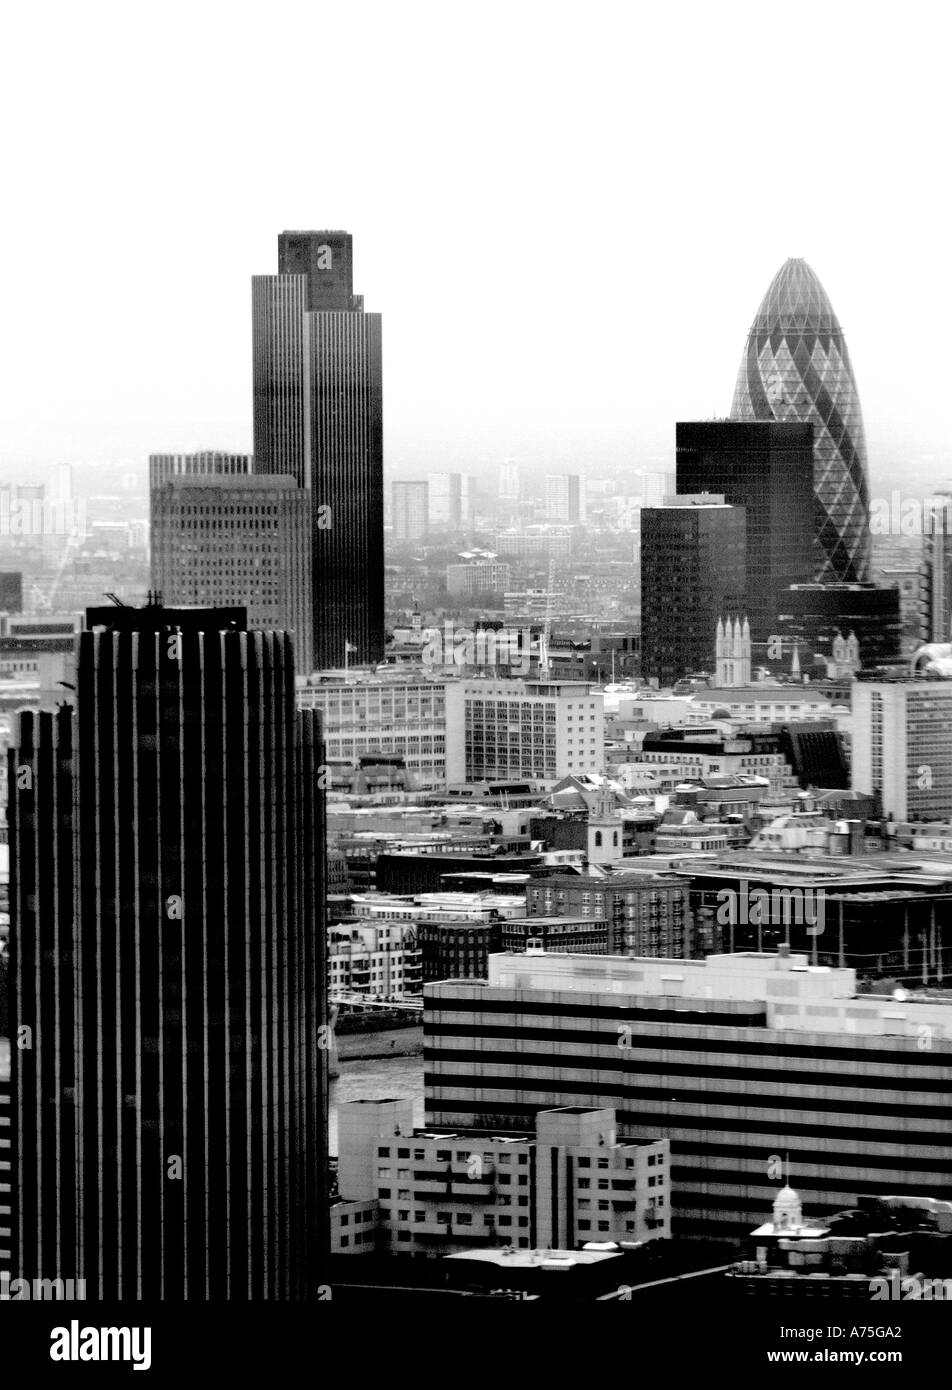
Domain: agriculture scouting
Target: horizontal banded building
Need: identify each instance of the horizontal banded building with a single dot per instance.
(735, 1059)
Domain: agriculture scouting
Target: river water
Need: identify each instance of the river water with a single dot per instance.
(377, 1078)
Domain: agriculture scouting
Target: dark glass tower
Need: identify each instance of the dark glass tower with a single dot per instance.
(318, 416)
(796, 367)
(768, 470)
(693, 559)
(166, 848)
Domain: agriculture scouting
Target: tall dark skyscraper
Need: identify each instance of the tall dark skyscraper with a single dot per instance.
(318, 416)
(796, 367)
(166, 893)
(767, 469)
(692, 573)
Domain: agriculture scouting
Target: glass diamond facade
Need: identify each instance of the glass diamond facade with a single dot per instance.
(796, 367)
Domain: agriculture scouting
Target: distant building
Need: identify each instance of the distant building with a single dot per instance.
(766, 468)
(565, 498)
(478, 577)
(520, 728)
(796, 367)
(394, 713)
(815, 615)
(534, 542)
(379, 960)
(733, 653)
(510, 489)
(570, 1182)
(902, 746)
(215, 462)
(237, 541)
(451, 504)
(318, 417)
(457, 950)
(693, 558)
(648, 913)
(11, 591)
(732, 1059)
(409, 511)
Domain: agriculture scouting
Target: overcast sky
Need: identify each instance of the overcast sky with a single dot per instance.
(567, 214)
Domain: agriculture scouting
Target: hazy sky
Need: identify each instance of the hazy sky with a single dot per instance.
(567, 214)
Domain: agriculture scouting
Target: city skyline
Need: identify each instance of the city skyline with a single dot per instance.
(167, 366)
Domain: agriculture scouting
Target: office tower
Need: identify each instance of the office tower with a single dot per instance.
(693, 570)
(509, 482)
(410, 502)
(396, 713)
(7, 1194)
(164, 467)
(937, 569)
(565, 498)
(796, 367)
(168, 956)
(902, 746)
(732, 653)
(241, 541)
(318, 416)
(451, 501)
(733, 1059)
(520, 728)
(815, 616)
(768, 470)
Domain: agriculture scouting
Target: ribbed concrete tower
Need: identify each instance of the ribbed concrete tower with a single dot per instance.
(796, 367)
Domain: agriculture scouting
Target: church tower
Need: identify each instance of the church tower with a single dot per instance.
(733, 651)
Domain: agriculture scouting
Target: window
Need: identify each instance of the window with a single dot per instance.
(383, 1153)
(505, 1220)
(403, 1153)
(584, 1182)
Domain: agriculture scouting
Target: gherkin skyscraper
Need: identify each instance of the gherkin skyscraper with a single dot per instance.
(796, 367)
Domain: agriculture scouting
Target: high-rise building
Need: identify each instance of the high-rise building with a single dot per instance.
(168, 958)
(693, 570)
(318, 416)
(410, 510)
(565, 498)
(796, 367)
(509, 482)
(937, 570)
(164, 467)
(241, 541)
(451, 501)
(732, 1059)
(814, 616)
(768, 470)
(902, 746)
(7, 1194)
